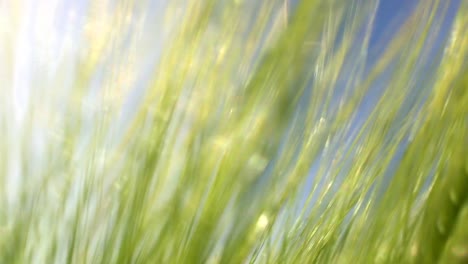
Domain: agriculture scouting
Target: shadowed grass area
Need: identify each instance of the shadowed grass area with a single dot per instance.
(232, 131)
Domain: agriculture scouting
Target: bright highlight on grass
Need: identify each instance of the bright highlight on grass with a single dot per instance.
(262, 222)
(232, 131)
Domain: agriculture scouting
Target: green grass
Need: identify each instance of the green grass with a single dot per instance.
(232, 132)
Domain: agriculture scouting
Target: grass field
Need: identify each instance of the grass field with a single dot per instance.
(232, 131)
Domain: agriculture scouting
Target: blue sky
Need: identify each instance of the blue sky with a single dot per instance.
(392, 13)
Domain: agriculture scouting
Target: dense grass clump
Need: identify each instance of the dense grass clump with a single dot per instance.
(232, 131)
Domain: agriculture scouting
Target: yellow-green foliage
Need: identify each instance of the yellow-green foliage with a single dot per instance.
(231, 131)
